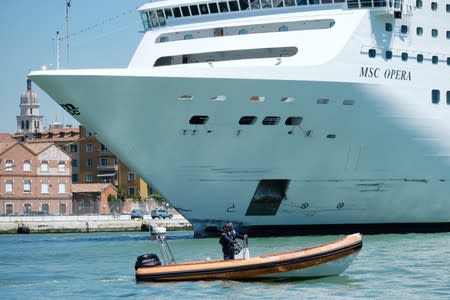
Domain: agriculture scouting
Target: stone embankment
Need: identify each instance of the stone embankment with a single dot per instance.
(95, 223)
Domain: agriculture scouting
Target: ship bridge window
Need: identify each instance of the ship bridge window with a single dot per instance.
(153, 19)
(289, 2)
(247, 120)
(194, 10)
(435, 96)
(243, 4)
(168, 13)
(223, 6)
(161, 18)
(233, 6)
(203, 9)
(266, 4)
(255, 4)
(145, 20)
(185, 11)
(271, 120)
(198, 120)
(177, 12)
(293, 121)
(213, 8)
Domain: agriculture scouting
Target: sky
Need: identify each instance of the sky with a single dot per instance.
(102, 34)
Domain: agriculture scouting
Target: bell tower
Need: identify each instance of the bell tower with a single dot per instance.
(29, 122)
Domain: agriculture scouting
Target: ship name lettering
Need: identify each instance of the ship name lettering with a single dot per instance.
(71, 109)
(392, 74)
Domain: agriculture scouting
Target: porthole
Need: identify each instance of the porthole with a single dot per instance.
(198, 120)
(340, 205)
(404, 56)
(271, 120)
(293, 121)
(331, 136)
(323, 101)
(348, 102)
(257, 98)
(247, 120)
(287, 99)
(304, 205)
(435, 96)
(419, 58)
(388, 54)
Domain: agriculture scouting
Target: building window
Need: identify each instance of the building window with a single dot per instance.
(62, 209)
(27, 208)
(419, 58)
(434, 5)
(404, 29)
(8, 165)
(372, 53)
(27, 186)
(435, 59)
(44, 186)
(89, 148)
(271, 120)
(44, 166)
(9, 209)
(61, 167)
(104, 161)
(45, 208)
(435, 96)
(131, 176)
(419, 31)
(131, 191)
(27, 166)
(388, 54)
(74, 163)
(89, 178)
(448, 97)
(73, 148)
(8, 186)
(434, 33)
(61, 187)
(89, 162)
(404, 56)
(388, 27)
(75, 178)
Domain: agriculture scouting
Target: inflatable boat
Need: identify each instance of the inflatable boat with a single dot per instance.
(329, 259)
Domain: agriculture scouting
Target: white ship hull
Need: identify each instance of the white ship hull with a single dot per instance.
(373, 157)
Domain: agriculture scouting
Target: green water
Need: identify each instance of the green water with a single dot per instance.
(101, 266)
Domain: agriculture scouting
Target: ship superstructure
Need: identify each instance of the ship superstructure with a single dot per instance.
(283, 116)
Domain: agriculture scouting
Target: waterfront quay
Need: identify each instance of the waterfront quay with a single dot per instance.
(88, 223)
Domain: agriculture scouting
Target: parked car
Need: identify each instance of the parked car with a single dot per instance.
(137, 214)
(161, 213)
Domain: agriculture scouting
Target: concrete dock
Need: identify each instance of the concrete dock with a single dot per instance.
(93, 223)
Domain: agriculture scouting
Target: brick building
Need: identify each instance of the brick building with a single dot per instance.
(92, 198)
(35, 178)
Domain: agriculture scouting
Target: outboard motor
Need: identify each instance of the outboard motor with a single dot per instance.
(147, 261)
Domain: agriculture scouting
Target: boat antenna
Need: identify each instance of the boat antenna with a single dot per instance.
(67, 28)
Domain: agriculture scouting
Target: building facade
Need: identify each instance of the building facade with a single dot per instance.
(35, 178)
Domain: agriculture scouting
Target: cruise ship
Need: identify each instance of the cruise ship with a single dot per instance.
(284, 117)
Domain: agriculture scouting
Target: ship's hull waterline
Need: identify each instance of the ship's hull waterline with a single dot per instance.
(376, 163)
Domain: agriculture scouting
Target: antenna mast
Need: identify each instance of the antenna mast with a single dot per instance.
(67, 28)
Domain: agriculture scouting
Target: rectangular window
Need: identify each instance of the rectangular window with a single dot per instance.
(27, 166)
(104, 161)
(8, 165)
(388, 54)
(8, 209)
(44, 187)
(75, 163)
(131, 176)
(89, 148)
(75, 178)
(61, 187)
(62, 167)
(434, 33)
(435, 96)
(89, 178)
(8, 186)
(89, 162)
(44, 166)
(434, 5)
(419, 30)
(73, 148)
(131, 191)
(27, 186)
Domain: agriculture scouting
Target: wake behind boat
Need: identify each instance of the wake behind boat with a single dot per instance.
(329, 259)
